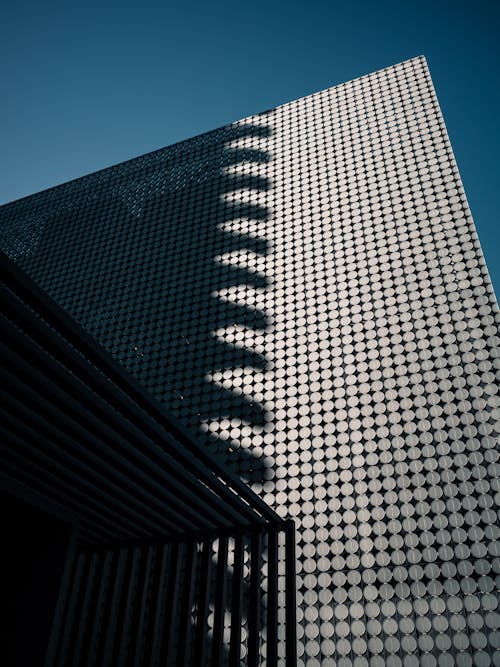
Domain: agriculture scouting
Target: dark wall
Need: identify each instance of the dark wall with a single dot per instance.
(34, 551)
(133, 253)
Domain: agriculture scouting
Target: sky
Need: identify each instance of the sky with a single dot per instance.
(86, 85)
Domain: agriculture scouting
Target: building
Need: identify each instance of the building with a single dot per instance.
(305, 288)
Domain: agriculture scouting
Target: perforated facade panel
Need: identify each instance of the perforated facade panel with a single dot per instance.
(305, 287)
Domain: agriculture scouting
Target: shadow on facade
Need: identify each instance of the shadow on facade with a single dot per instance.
(154, 257)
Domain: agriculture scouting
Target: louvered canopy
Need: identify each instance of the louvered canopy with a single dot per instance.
(79, 431)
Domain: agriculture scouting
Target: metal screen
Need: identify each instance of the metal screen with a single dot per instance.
(216, 601)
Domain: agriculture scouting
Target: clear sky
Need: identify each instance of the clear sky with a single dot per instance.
(88, 84)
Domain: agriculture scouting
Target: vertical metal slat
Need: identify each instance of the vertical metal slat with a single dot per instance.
(112, 609)
(202, 604)
(127, 607)
(185, 625)
(254, 602)
(95, 624)
(219, 601)
(141, 608)
(169, 647)
(69, 625)
(272, 598)
(235, 641)
(64, 599)
(156, 626)
(290, 595)
(88, 585)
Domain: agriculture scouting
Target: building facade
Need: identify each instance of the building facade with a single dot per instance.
(305, 289)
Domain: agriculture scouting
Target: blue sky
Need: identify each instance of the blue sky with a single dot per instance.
(87, 85)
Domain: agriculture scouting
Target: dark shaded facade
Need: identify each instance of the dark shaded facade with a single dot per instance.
(125, 543)
(305, 289)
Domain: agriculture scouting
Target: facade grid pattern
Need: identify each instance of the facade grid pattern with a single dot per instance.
(306, 290)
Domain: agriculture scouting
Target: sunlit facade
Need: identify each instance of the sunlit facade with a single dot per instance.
(305, 289)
